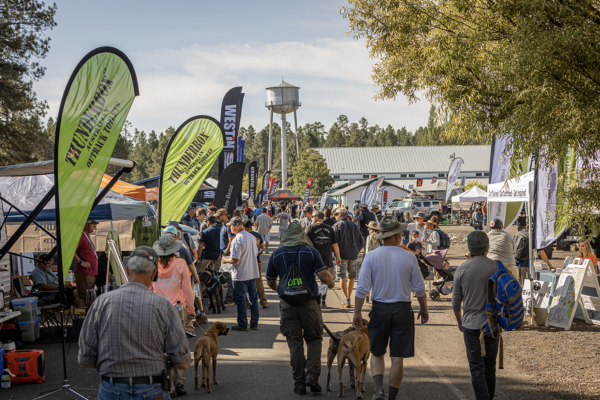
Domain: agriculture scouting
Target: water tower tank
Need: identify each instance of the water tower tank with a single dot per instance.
(283, 98)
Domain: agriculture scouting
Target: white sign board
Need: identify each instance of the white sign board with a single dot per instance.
(541, 294)
(568, 294)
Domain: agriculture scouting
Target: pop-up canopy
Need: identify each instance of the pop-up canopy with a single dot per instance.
(518, 189)
(133, 191)
(473, 195)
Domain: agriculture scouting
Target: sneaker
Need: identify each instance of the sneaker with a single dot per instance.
(264, 304)
(379, 394)
(313, 383)
(190, 334)
(180, 389)
(323, 304)
(254, 328)
(300, 389)
(239, 328)
(348, 305)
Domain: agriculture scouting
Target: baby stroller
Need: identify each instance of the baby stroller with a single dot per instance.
(436, 261)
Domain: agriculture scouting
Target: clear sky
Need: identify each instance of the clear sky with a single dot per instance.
(187, 54)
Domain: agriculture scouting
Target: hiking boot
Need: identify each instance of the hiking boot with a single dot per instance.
(379, 394)
(180, 389)
(254, 328)
(313, 383)
(202, 319)
(300, 389)
(239, 328)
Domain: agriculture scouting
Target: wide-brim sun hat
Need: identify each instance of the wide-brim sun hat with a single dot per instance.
(420, 215)
(432, 221)
(363, 205)
(167, 245)
(390, 226)
(373, 225)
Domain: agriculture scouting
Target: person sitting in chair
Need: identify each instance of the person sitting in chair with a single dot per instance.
(46, 280)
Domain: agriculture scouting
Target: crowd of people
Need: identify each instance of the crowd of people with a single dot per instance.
(359, 246)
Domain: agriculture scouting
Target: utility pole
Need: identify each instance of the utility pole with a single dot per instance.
(314, 161)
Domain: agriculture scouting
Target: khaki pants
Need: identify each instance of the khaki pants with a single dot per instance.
(84, 283)
(260, 287)
(188, 324)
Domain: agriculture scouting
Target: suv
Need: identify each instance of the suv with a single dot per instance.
(429, 206)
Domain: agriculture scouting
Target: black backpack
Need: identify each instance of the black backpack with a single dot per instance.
(293, 286)
(521, 247)
(444, 243)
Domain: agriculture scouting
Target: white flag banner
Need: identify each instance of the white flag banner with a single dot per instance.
(371, 195)
(362, 195)
(453, 172)
(323, 200)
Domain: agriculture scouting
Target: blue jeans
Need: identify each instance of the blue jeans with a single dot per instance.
(122, 391)
(240, 288)
(483, 369)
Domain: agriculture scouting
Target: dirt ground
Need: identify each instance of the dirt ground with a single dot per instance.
(564, 363)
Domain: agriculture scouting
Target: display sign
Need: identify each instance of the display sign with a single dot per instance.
(568, 294)
(541, 295)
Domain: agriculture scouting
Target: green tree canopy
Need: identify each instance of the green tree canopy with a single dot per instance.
(22, 28)
(303, 170)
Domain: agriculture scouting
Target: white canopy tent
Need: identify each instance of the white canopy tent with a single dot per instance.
(519, 189)
(472, 195)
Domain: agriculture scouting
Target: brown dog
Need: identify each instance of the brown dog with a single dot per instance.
(332, 352)
(355, 347)
(207, 348)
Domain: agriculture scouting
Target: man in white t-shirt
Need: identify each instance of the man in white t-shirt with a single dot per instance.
(284, 221)
(244, 274)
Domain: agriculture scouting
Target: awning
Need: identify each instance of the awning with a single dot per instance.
(518, 189)
(47, 167)
(133, 191)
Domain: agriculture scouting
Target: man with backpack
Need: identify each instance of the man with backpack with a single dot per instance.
(522, 253)
(301, 319)
(470, 289)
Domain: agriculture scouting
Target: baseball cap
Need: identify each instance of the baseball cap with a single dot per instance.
(307, 208)
(235, 222)
(146, 252)
(171, 223)
(496, 223)
(375, 206)
(91, 221)
(365, 205)
(170, 229)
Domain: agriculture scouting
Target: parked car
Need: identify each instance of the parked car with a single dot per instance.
(429, 206)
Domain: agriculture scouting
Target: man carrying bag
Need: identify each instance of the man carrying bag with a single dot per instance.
(295, 263)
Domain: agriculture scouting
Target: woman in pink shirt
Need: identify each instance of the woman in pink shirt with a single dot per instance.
(174, 278)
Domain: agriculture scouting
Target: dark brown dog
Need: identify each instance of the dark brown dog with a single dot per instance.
(332, 351)
(207, 348)
(355, 347)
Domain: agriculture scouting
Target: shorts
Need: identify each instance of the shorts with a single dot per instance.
(266, 237)
(393, 323)
(213, 264)
(347, 269)
(84, 283)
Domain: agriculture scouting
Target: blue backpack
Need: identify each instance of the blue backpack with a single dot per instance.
(504, 305)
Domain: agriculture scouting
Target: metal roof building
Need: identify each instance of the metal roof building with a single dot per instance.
(405, 164)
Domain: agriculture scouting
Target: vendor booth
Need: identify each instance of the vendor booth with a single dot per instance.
(462, 203)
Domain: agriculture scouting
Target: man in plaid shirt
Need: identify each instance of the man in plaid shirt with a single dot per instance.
(263, 225)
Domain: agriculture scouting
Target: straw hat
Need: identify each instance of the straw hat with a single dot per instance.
(390, 226)
(432, 221)
(166, 245)
(373, 225)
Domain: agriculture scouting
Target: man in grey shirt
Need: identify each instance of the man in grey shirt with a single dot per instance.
(470, 289)
(129, 333)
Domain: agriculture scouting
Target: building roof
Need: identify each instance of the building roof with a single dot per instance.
(403, 159)
(367, 182)
(283, 84)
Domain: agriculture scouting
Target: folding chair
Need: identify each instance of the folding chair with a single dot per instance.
(50, 313)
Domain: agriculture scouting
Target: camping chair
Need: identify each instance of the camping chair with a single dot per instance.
(50, 313)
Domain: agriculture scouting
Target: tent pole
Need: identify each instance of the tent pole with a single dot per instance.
(531, 261)
(112, 229)
(25, 215)
(103, 193)
(30, 218)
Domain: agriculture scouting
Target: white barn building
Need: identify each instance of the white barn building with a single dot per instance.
(403, 165)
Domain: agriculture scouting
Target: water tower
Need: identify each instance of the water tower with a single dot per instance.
(283, 99)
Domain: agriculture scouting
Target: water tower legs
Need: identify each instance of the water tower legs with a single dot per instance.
(270, 163)
(283, 153)
(297, 146)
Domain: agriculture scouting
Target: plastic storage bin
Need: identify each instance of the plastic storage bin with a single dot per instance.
(30, 330)
(28, 307)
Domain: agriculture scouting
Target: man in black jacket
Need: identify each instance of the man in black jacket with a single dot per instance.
(350, 241)
(363, 218)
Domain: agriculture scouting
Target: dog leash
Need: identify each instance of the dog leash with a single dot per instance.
(342, 303)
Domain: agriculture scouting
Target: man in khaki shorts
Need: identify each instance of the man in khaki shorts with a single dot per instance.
(86, 259)
(350, 241)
